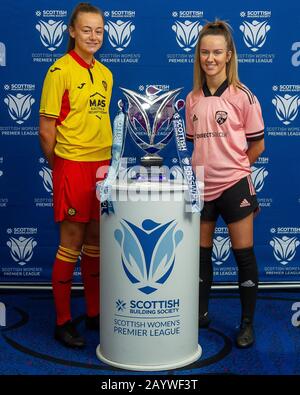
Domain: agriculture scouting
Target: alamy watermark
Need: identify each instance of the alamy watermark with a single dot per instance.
(295, 320)
(2, 314)
(155, 183)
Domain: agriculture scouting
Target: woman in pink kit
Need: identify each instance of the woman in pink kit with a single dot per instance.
(224, 120)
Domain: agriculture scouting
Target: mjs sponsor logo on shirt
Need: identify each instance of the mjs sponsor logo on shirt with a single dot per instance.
(148, 252)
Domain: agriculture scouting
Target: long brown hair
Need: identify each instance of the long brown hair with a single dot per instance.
(81, 7)
(217, 28)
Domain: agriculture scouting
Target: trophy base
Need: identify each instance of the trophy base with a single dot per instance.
(151, 160)
(150, 177)
(150, 174)
(151, 169)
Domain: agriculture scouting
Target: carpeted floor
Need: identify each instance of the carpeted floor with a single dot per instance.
(28, 348)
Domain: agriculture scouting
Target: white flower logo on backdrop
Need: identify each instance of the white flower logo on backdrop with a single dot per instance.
(21, 249)
(255, 34)
(286, 107)
(51, 33)
(46, 175)
(221, 250)
(284, 249)
(187, 33)
(19, 106)
(119, 34)
(258, 177)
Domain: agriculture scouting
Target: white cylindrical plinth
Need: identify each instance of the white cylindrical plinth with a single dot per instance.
(149, 279)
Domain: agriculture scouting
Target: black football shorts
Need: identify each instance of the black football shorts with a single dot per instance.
(235, 203)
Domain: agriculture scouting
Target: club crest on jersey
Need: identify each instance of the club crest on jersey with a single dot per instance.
(221, 117)
(71, 211)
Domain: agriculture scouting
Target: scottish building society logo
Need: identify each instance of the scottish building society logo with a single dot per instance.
(51, 33)
(119, 33)
(19, 106)
(187, 33)
(148, 252)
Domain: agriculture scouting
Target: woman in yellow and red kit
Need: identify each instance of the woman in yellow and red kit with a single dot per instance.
(76, 138)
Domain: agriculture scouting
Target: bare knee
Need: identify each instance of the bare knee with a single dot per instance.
(92, 234)
(72, 235)
(207, 229)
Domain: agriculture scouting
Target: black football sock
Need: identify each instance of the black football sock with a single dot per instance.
(248, 280)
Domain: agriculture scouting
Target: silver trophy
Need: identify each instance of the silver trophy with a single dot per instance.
(150, 125)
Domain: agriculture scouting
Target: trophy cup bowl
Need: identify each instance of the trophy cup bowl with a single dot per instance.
(149, 121)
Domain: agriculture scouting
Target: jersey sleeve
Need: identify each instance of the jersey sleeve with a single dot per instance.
(189, 129)
(253, 120)
(53, 91)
